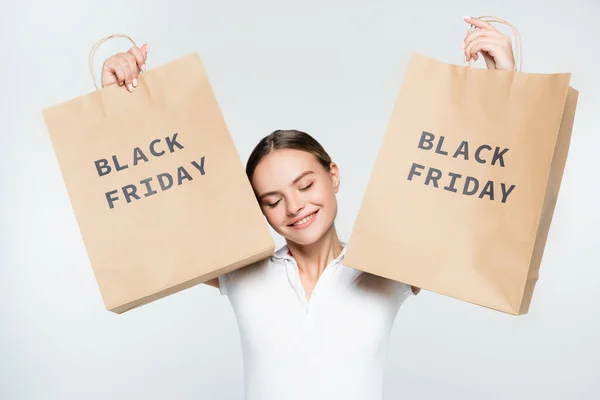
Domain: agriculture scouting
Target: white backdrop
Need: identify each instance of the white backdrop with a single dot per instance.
(333, 69)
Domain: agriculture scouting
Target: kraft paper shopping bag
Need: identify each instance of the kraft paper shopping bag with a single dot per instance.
(156, 184)
(463, 190)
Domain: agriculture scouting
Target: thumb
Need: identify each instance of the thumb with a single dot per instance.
(144, 50)
(490, 63)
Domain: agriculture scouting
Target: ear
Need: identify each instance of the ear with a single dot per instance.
(334, 174)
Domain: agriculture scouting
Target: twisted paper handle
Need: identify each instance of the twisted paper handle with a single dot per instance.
(95, 47)
(517, 38)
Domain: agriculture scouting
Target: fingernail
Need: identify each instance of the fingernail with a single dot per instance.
(147, 47)
(466, 17)
(463, 46)
(134, 82)
(130, 87)
(120, 83)
(143, 68)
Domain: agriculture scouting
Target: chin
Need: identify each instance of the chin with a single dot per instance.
(304, 240)
(310, 234)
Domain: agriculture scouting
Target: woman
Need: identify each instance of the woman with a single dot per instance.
(311, 327)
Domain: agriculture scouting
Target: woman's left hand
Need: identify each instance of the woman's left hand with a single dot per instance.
(495, 46)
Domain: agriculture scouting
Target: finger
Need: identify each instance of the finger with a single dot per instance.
(490, 62)
(472, 49)
(133, 67)
(145, 51)
(487, 29)
(479, 23)
(486, 33)
(492, 46)
(486, 57)
(109, 71)
(128, 74)
(471, 35)
(139, 56)
(480, 33)
(108, 74)
(120, 73)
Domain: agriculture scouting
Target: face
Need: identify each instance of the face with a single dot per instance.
(297, 194)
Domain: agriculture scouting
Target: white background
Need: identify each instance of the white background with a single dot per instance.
(333, 69)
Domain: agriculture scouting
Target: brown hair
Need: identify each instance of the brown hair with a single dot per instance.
(286, 139)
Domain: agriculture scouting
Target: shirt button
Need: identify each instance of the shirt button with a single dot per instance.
(306, 311)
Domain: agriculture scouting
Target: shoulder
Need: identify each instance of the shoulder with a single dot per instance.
(246, 277)
(377, 284)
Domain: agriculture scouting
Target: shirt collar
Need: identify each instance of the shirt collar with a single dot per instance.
(284, 253)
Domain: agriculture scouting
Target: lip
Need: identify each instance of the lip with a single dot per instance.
(307, 224)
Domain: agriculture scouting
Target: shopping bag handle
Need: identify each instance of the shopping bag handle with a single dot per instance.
(95, 47)
(517, 38)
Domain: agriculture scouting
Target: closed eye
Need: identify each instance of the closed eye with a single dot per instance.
(273, 205)
(306, 187)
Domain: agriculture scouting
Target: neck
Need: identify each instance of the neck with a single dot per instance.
(313, 258)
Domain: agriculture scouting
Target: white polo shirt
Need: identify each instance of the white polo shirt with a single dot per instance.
(332, 346)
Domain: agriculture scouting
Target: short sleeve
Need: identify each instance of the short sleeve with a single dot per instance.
(243, 280)
(223, 284)
(404, 290)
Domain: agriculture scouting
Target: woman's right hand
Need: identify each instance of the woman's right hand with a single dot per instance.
(124, 68)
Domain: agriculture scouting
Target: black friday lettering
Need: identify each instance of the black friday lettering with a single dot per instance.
(456, 183)
(147, 187)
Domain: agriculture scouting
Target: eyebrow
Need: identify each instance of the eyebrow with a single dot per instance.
(302, 175)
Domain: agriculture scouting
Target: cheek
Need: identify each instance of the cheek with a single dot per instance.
(324, 194)
(274, 215)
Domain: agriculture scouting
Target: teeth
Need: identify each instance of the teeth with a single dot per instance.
(304, 220)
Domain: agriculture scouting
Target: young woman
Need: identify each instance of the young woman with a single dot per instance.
(311, 327)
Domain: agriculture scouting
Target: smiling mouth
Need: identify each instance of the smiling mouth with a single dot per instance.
(304, 220)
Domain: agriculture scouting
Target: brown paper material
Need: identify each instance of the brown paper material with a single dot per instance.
(424, 222)
(193, 215)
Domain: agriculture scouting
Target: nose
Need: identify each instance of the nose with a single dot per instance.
(294, 205)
